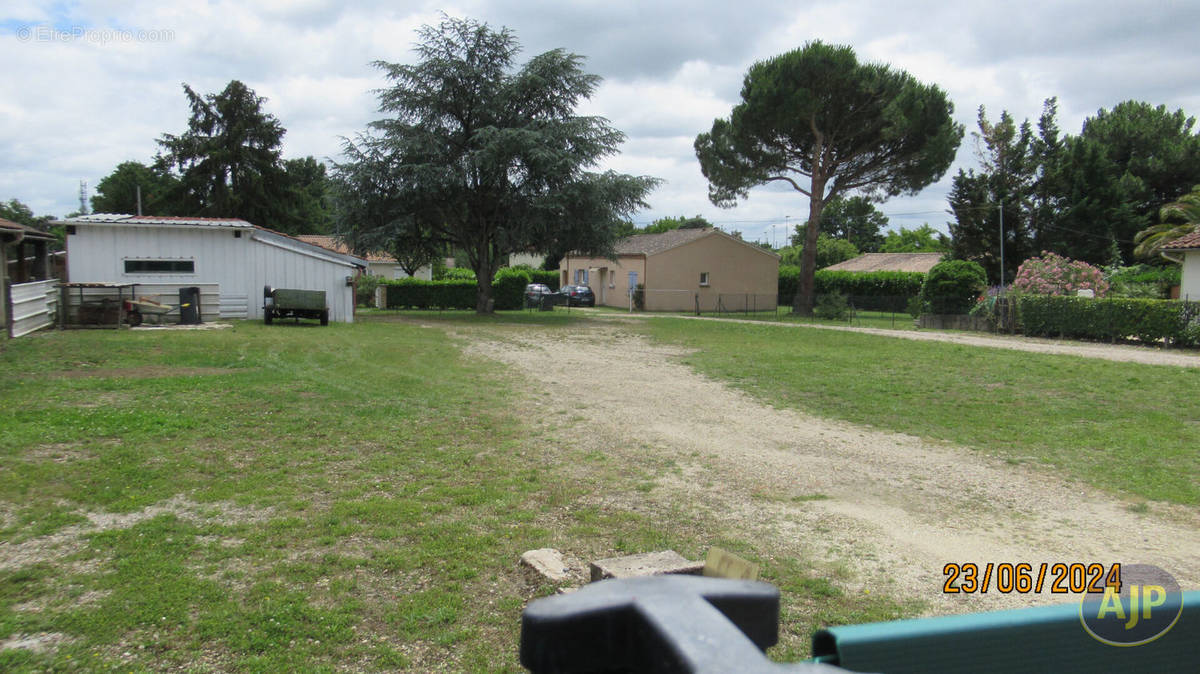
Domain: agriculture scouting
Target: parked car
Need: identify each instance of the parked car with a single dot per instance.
(578, 296)
(534, 292)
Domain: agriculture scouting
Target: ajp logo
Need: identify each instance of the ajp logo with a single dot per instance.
(1146, 606)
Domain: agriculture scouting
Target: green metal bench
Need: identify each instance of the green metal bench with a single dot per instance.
(1042, 639)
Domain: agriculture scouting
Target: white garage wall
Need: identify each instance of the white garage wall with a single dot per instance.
(241, 266)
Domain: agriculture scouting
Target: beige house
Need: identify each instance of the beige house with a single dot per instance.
(682, 270)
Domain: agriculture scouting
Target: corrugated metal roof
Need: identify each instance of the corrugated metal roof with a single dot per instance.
(915, 262)
(231, 223)
(1185, 242)
(124, 218)
(336, 246)
(31, 232)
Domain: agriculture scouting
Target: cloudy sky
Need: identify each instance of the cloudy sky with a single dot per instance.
(86, 85)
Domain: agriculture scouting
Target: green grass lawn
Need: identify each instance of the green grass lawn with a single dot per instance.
(859, 319)
(1124, 427)
(307, 498)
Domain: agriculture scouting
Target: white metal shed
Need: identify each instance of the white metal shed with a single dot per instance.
(236, 256)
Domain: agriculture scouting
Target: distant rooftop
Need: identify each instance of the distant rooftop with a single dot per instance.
(331, 243)
(31, 232)
(918, 262)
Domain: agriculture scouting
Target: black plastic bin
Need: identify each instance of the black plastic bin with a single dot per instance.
(189, 306)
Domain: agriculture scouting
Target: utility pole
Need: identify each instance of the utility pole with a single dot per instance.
(1001, 245)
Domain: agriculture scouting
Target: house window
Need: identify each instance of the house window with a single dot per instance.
(160, 266)
(581, 277)
(703, 278)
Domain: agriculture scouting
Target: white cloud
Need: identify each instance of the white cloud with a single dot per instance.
(73, 108)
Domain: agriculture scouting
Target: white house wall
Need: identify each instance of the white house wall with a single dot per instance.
(1189, 287)
(240, 265)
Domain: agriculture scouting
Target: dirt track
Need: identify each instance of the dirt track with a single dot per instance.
(894, 508)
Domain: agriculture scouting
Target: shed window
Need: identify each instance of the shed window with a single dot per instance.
(703, 278)
(160, 266)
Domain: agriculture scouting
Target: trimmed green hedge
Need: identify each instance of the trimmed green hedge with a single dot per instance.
(878, 290)
(550, 278)
(789, 282)
(1110, 318)
(953, 286)
(508, 291)
(508, 288)
(411, 293)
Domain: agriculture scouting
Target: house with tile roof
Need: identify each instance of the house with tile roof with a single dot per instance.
(379, 263)
(680, 270)
(228, 259)
(1186, 251)
(868, 262)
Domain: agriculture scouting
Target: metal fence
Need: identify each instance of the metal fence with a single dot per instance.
(874, 311)
(1174, 322)
(34, 306)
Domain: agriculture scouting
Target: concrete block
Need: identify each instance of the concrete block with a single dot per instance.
(645, 564)
(548, 563)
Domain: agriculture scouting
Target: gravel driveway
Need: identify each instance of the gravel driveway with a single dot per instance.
(892, 508)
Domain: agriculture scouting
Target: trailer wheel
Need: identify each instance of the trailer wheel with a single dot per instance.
(268, 315)
(325, 317)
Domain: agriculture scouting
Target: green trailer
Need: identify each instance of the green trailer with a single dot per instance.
(291, 303)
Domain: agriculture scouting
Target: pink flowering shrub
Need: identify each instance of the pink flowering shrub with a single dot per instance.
(1053, 274)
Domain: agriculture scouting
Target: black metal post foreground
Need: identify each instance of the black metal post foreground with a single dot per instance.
(657, 624)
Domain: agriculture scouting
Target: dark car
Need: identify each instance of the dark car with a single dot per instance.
(578, 296)
(534, 292)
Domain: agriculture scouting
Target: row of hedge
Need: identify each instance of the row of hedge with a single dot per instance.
(877, 290)
(549, 278)
(508, 291)
(1110, 318)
